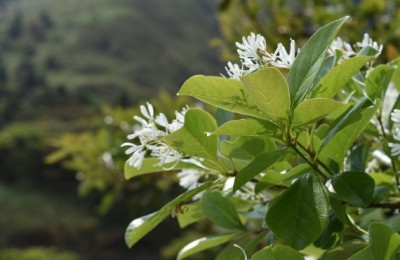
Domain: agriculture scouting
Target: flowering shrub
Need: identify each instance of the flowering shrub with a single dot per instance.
(298, 158)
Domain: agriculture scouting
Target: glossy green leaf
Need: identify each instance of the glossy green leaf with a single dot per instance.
(205, 243)
(311, 110)
(334, 80)
(247, 127)
(220, 211)
(270, 92)
(298, 216)
(151, 165)
(139, 227)
(378, 80)
(308, 62)
(259, 164)
(192, 139)
(339, 209)
(189, 214)
(356, 188)
(346, 130)
(221, 92)
(272, 177)
(276, 253)
(384, 242)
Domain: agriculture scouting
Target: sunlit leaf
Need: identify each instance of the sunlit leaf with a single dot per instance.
(189, 214)
(221, 92)
(334, 80)
(277, 252)
(139, 227)
(270, 92)
(205, 243)
(192, 139)
(346, 129)
(247, 127)
(384, 242)
(311, 110)
(307, 64)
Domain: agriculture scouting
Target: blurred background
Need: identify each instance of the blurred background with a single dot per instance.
(72, 74)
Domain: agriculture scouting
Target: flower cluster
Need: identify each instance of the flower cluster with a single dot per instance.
(347, 50)
(253, 54)
(150, 137)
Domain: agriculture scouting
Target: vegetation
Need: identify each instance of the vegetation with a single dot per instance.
(66, 69)
(300, 160)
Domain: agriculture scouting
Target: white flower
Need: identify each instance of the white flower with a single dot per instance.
(283, 59)
(251, 46)
(395, 116)
(233, 70)
(367, 41)
(344, 47)
(150, 137)
(189, 178)
(395, 147)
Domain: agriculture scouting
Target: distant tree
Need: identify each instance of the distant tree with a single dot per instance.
(16, 26)
(27, 77)
(45, 19)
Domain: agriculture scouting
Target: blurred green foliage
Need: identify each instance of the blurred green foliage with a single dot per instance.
(279, 20)
(68, 70)
(36, 253)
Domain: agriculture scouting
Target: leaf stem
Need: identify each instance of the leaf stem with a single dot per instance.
(311, 154)
(395, 173)
(312, 164)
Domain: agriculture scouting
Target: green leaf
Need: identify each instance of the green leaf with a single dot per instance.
(205, 243)
(139, 227)
(346, 130)
(378, 80)
(334, 80)
(344, 251)
(270, 92)
(298, 216)
(276, 253)
(384, 242)
(363, 254)
(221, 92)
(307, 64)
(248, 243)
(356, 188)
(259, 164)
(311, 110)
(246, 148)
(339, 209)
(220, 211)
(272, 177)
(151, 165)
(247, 127)
(190, 213)
(191, 139)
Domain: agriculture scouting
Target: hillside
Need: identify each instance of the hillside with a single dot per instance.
(100, 52)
